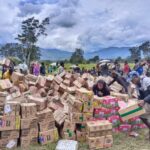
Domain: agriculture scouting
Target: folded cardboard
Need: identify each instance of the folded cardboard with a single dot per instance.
(10, 134)
(46, 125)
(29, 123)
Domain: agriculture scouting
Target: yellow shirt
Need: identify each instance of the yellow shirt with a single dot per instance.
(7, 75)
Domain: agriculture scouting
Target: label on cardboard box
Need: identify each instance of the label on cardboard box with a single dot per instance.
(7, 108)
(11, 144)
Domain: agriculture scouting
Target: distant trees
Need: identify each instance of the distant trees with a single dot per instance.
(32, 29)
(145, 48)
(94, 59)
(135, 53)
(77, 56)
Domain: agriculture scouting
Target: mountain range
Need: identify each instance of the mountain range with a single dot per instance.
(103, 53)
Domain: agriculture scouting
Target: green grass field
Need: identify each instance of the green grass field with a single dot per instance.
(121, 142)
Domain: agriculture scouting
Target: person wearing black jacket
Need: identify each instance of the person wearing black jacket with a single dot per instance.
(100, 89)
(43, 69)
(143, 87)
(120, 80)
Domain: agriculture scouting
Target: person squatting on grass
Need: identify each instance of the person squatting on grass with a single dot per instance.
(143, 88)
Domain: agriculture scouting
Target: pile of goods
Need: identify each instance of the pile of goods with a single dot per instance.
(43, 109)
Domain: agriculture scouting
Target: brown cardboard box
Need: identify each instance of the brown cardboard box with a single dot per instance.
(81, 136)
(121, 96)
(30, 77)
(77, 106)
(29, 123)
(68, 76)
(62, 88)
(46, 125)
(77, 84)
(58, 79)
(97, 101)
(5, 84)
(88, 116)
(71, 90)
(16, 77)
(12, 108)
(78, 118)
(88, 106)
(108, 141)
(59, 116)
(28, 110)
(66, 82)
(40, 102)
(68, 125)
(41, 81)
(99, 133)
(131, 110)
(69, 135)
(27, 141)
(99, 125)
(84, 94)
(31, 132)
(48, 136)
(12, 134)
(96, 142)
(3, 96)
(45, 115)
(9, 123)
(8, 143)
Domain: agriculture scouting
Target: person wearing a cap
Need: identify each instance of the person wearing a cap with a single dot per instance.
(120, 80)
(143, 89)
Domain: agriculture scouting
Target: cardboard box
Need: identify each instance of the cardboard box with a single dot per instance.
(27, 141)
(121, 96)
(40, 102)
(45, 115)
(59, 116)
(12, 108)
(31, 132)
(28, 110)
(11, 134)
(77, 84)
(88, 106)
(99, 125)
(71, 90)
(96, 142)
(78, 118)
(31, 77)
(8, 144)
(69, 144)
(97, 101)
(108, 141)
(69, 135)
(62, 88)
(29, 123)
(99, 133)
(9, 123)
(16, 77)
(68, 125)
(48, 136)
(66, 82)
(58, 79)
(131, 110)
(3, 96)
(41, 81)
(46, 125)
(84, 94)
(81, 136)
(5, 84)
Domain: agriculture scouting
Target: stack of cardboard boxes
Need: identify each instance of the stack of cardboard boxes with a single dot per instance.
(29, 124)
(99, 134)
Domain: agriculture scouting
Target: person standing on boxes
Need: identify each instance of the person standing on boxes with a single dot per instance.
(143, 88)
(100, 89)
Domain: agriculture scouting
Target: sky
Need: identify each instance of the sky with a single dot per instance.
(86, 24)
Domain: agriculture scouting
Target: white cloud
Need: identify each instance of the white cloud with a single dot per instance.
(89, 24)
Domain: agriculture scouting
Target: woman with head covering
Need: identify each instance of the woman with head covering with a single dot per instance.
(101, 89)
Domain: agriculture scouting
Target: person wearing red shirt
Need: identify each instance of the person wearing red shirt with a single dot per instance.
(126, 68)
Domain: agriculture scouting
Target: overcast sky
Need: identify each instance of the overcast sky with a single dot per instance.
(89, 24)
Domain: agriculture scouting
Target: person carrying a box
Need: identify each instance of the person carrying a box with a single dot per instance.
(143, 89)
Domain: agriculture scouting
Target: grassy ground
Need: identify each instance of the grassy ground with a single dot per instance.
(121, 142)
